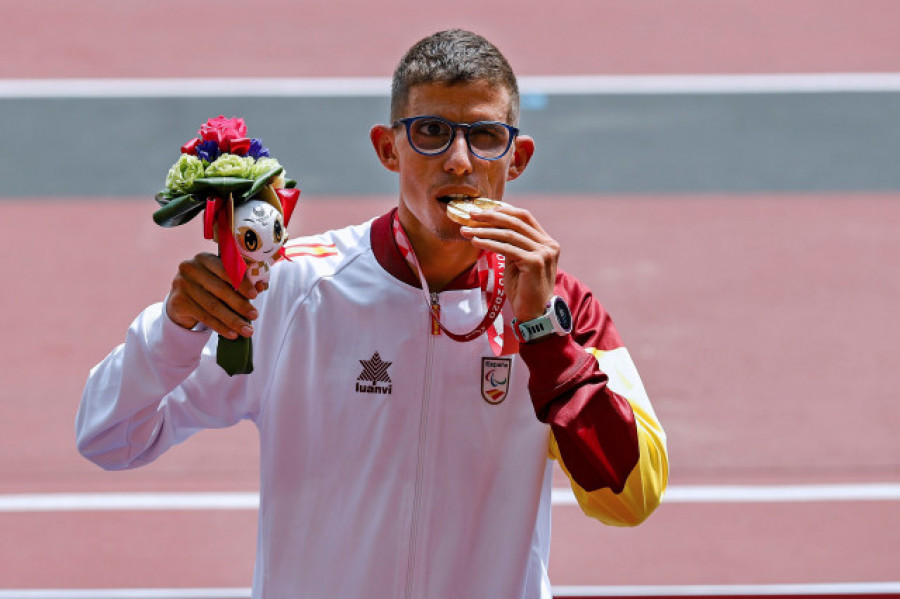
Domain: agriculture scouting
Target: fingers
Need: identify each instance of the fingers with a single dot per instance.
(512, 217)
(531, 256)
(202, 293)
(513, 232)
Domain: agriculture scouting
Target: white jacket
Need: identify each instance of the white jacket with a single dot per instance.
(394, 463)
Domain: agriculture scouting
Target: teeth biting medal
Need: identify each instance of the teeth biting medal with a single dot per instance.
(460, 210)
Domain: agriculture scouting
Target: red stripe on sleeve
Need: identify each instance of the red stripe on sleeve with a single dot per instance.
(594, 427)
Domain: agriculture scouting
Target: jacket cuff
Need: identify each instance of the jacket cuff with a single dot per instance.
(170, 342)
(555, 363)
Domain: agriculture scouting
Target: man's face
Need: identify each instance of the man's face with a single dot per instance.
(427, 183)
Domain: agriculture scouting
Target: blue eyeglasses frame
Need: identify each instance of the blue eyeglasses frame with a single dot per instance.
(466, 127)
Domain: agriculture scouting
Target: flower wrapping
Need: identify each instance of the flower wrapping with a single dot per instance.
(218, 172)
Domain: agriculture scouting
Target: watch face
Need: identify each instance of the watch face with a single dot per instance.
(563, 315)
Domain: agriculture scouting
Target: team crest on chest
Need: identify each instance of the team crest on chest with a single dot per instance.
(495, 374)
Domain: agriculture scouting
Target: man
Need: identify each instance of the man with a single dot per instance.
(403, 455)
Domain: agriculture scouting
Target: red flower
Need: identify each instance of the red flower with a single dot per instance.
(222, 130)
(239, 146)
(190, 147)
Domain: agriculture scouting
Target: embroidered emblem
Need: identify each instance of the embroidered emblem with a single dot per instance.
(495, 379)
(375, 372)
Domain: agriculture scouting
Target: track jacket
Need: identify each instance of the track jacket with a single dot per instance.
(395, 463)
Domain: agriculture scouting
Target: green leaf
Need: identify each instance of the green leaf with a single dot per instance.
(178, 211)
(225, 184)
(262, 181)
(164, 196)
(235, 356)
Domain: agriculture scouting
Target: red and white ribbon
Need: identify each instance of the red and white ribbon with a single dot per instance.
(490, 268)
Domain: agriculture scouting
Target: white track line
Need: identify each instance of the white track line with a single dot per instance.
(732, 590)
(63, 502)
(765, 493)
(713, 84)
(380, 86)
(224, 593)
(560, 592)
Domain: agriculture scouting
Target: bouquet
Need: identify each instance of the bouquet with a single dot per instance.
(246, 203)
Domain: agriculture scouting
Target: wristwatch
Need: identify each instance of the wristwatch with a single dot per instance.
(557, 319)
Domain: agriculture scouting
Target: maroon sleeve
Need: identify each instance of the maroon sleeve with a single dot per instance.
(594, 427)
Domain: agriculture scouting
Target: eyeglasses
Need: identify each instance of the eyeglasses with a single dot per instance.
(432, 135)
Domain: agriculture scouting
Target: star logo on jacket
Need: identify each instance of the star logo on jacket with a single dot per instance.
(374, 376)
(495, 379)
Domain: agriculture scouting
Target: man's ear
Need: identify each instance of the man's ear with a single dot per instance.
(522, 151)
(382, 138)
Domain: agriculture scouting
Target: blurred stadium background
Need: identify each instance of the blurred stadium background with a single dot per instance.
(722, 173)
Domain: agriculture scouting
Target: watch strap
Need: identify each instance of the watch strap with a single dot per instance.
(540, 327)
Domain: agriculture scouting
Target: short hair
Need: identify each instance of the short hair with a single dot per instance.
(452, 57)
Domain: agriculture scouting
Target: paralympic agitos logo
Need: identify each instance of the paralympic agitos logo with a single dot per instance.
(495, 379)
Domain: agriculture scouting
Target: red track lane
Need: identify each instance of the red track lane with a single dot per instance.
(682, 544)
(739, 543)
(128, 549)
(764, 328)
(191, 38)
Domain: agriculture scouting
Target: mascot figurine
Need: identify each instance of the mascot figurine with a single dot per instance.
(246, 203)
(260, 234)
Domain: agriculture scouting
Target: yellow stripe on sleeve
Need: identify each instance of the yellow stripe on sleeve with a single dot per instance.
(646, 484)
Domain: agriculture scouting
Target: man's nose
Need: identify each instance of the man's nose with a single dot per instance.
(458, 158)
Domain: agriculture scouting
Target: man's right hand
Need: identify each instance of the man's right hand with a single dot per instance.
(202, 293)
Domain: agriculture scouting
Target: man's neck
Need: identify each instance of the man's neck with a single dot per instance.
(441, 262)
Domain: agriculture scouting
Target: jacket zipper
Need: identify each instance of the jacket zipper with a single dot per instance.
(420, 457)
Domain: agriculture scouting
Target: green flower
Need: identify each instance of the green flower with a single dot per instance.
(182, 174)
(263, 166)
(230, 165)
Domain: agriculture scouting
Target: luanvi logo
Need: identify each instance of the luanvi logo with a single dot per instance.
(374, 377)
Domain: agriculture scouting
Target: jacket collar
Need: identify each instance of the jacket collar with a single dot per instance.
(389, 257)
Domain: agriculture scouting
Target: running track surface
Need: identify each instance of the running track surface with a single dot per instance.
(281, 38)
(763, 326)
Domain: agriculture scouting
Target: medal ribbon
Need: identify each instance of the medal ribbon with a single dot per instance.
(490, 278)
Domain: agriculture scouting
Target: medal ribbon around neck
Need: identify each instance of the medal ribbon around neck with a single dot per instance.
(490, 278)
